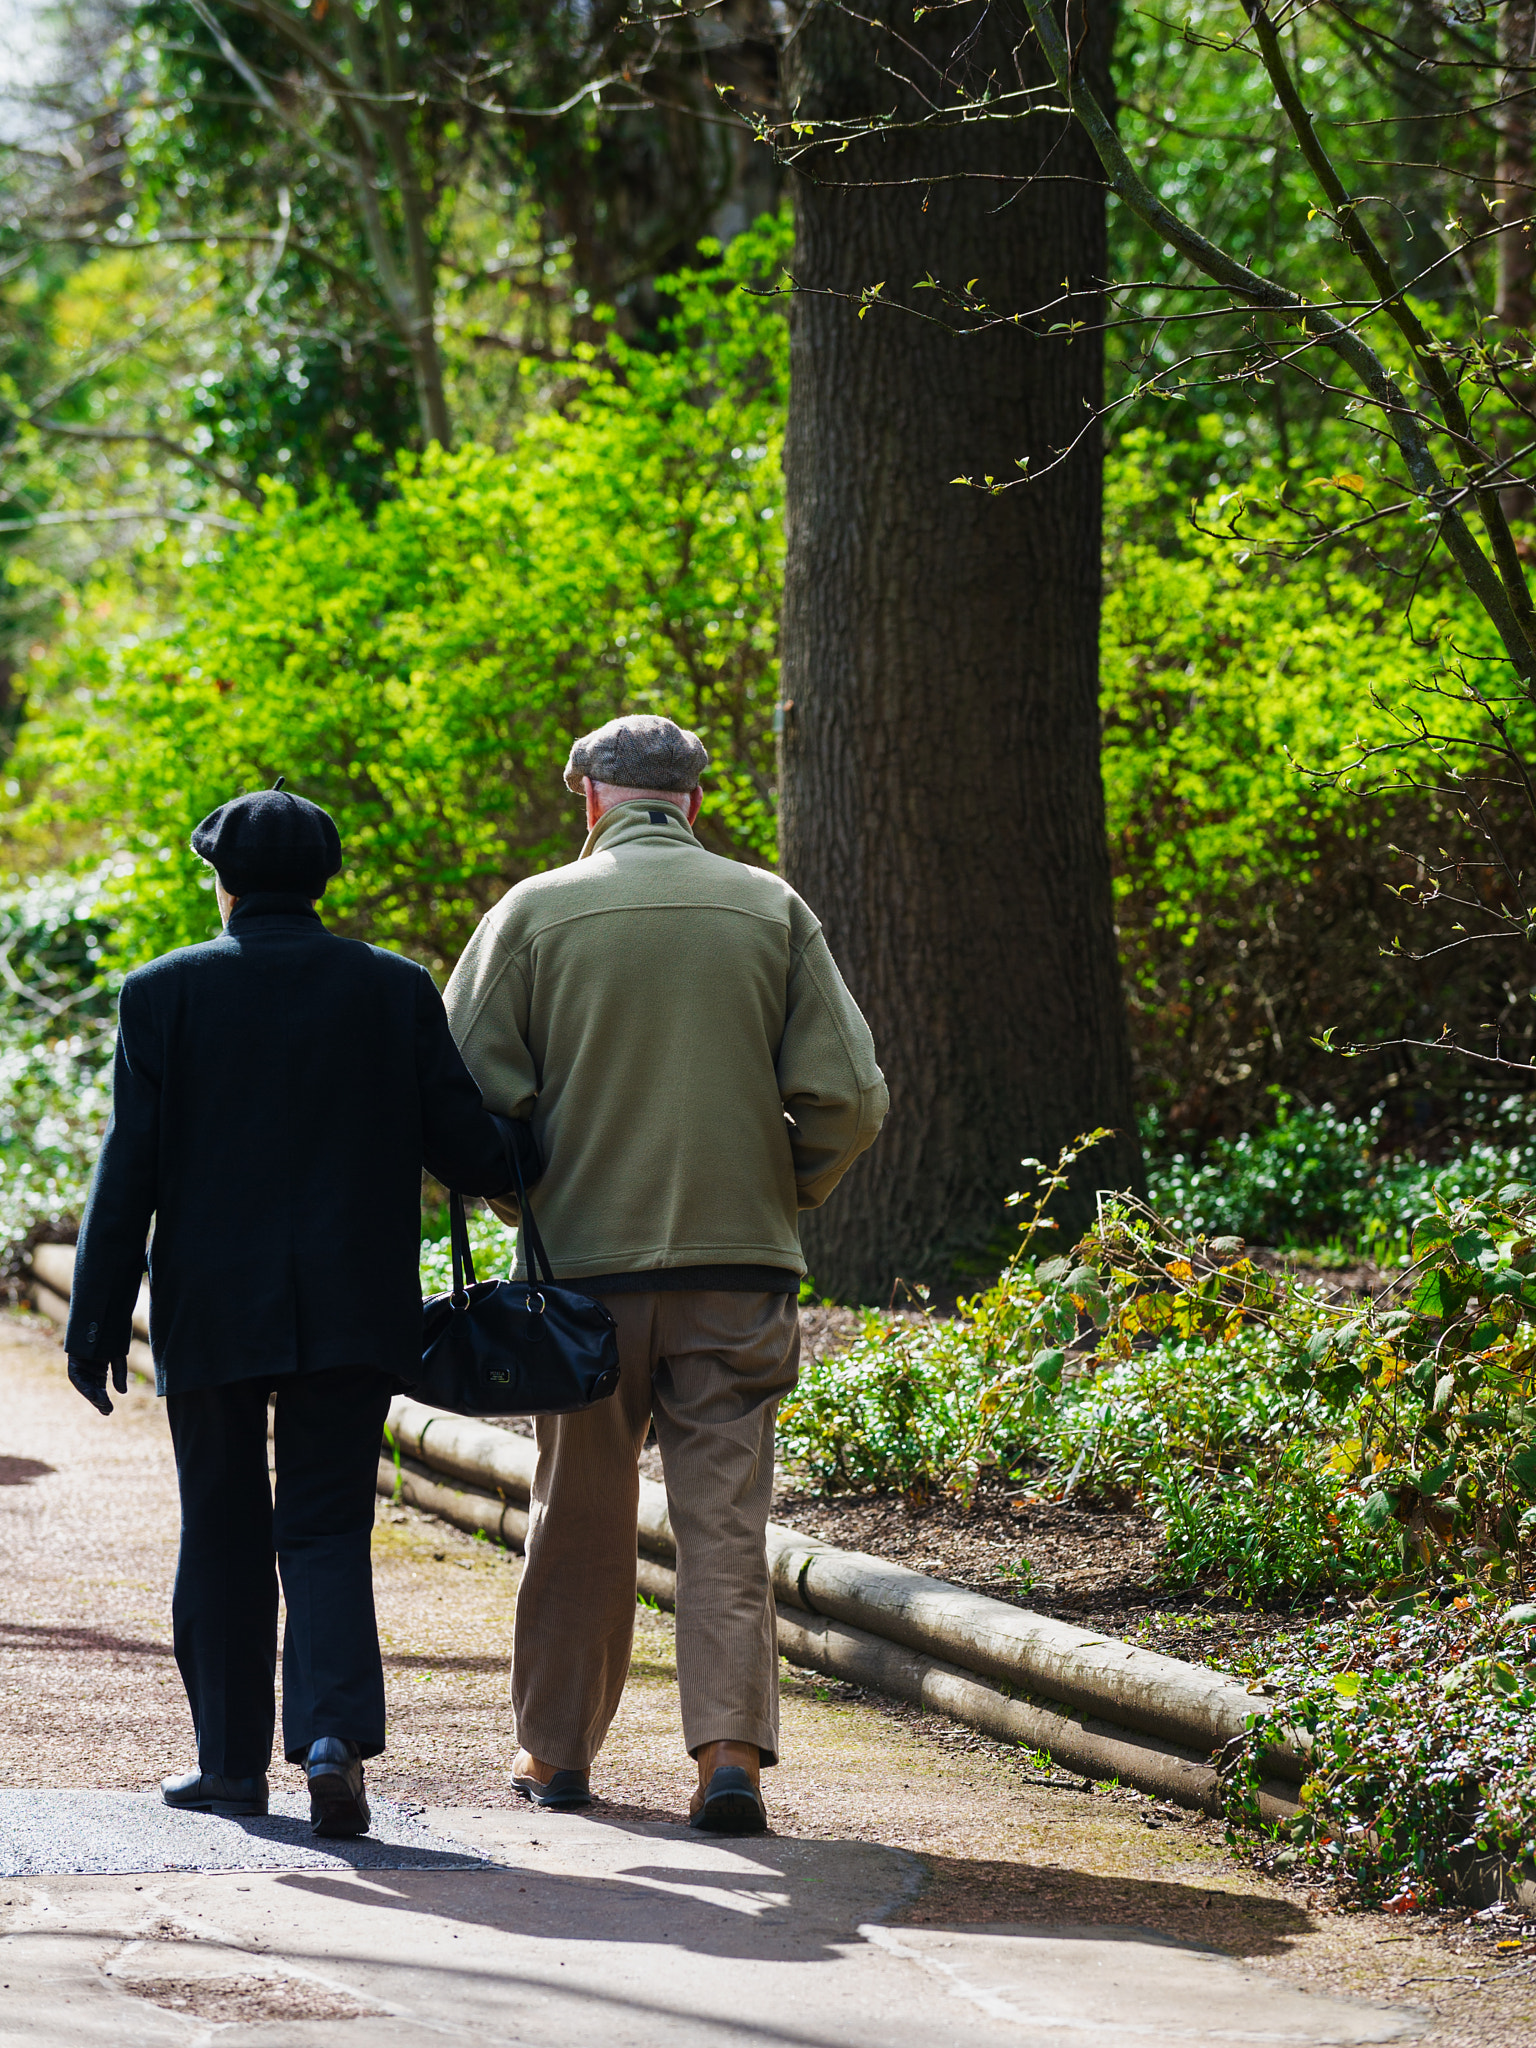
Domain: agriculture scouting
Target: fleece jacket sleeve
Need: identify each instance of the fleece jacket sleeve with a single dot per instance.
(829, 1082)
(462, 1145)
(109, 1259)
(487, 1000)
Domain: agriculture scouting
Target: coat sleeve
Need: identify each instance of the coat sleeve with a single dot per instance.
(463, 1145)
(829, 1083)
(109, 1258)
(488, 1002)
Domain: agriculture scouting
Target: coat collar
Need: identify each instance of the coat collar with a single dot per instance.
(652, 820)
(272, 903)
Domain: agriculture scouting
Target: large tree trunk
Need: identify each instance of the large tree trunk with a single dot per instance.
(943, 808)
(1515, 188)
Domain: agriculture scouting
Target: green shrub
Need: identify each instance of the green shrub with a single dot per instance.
(492, 1246)
(56, 1011)
(1258, 905)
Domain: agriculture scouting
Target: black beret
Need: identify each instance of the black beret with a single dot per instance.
(270, 839)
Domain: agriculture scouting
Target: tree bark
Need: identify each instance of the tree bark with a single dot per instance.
(1514, 304)
(943, 807)
(1515, 162)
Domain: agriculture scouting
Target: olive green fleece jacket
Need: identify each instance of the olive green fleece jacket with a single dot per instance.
(661, 1015)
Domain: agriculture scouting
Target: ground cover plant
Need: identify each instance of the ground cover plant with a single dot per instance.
(1419, 1721)
(1316, 1178)
(1288, 1442)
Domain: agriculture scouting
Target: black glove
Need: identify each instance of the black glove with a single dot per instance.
(88, 1376)
(517, 1134)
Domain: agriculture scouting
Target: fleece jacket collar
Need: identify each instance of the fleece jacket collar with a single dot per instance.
(652, 821)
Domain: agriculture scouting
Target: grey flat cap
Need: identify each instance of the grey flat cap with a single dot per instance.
(638, 753)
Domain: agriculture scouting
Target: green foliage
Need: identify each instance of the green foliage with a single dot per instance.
(1258, 904)
(917, 1403)
(1284, 1440)
(492, 1246)
(422, 674)
(1314, 1175)
(1275, 1526)
(1420, 1725)
(55, 1054)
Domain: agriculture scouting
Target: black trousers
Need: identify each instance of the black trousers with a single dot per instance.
(234, 1540)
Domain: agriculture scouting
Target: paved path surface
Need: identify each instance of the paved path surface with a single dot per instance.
(47, 1833)
(595, 1934)
(922, 1886)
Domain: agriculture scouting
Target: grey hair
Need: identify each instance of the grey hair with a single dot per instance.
(641, 752)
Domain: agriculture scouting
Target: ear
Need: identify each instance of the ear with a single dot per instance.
(695, 799)
(594, 810)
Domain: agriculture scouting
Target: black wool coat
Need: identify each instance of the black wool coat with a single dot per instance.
(276, 1095)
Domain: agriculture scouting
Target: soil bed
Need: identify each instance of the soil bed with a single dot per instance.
(1086, 1560)
(1083, 1561)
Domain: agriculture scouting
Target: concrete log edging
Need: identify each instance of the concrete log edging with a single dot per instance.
(1066, 1668)
(1094, 1703)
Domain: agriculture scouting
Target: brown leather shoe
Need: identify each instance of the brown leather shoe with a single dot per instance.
(543, 1785)
(730, 1804)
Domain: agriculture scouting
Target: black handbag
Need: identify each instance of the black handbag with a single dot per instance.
(513, 1347)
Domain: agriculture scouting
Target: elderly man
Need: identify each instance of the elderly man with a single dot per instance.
(695, 1072)
(276, 1094)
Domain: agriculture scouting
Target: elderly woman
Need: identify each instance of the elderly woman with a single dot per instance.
(277, 1093)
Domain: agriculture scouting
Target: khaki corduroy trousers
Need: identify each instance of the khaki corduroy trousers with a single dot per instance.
(710, 1369)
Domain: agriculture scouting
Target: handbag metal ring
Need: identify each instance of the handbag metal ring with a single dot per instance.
(535, 1302)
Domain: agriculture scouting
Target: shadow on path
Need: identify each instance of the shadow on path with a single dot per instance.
(790, 1899)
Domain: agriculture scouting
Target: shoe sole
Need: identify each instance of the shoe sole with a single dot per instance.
(335, 1811)
(564, 1802)
(231, 1809)
(730, 1813)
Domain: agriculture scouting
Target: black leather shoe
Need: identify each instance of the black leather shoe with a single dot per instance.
(337, 1803)
(207, 1792)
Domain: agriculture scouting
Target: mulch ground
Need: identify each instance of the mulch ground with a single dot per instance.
(1085, 1562)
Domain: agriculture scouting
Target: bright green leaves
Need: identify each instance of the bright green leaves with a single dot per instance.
(422, 671)
(1048, 1368)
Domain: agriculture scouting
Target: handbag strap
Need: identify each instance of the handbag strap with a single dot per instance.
(540, 1271)
(539, 1268)
(463, 1257)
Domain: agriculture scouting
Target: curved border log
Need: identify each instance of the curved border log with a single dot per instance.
(1080, 1669)
(1096, 1748)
